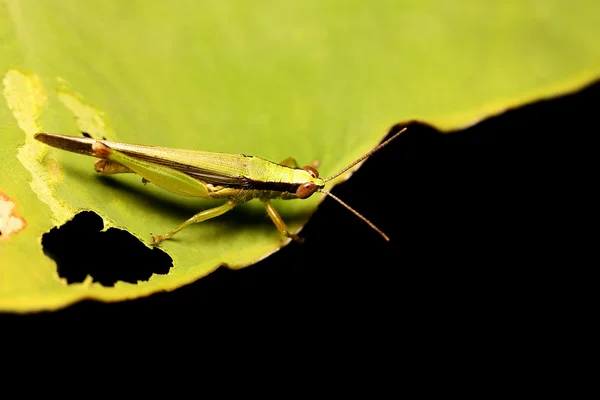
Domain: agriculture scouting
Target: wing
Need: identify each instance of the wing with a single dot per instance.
(215, 168)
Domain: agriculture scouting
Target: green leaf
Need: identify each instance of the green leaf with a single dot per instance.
(310, 79)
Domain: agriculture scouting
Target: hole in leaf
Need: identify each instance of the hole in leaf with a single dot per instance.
(10, 222)
(79, 249)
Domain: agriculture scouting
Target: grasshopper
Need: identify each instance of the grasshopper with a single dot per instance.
(235, 177)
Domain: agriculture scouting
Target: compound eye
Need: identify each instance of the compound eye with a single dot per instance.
(306, 190)
(313, 172)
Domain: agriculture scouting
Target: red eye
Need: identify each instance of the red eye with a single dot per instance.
(306, 190)
(313, 172)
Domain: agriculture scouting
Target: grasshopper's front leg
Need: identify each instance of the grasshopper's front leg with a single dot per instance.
(291, 162)
(164, 177)
(278, 221)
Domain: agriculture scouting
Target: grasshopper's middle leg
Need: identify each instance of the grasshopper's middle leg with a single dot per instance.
(201, 216)
(278, 221)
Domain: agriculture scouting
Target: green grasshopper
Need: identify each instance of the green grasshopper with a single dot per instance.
(235, 177)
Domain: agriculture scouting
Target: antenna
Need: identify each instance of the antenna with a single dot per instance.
(372, 225)
(382, 145)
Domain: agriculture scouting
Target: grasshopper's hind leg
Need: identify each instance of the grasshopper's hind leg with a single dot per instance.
(201, 216)
(107, 167)
(167, 178)
(278, 221)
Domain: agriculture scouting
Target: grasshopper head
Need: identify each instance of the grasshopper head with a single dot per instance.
(316, 185)
(313, 183)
